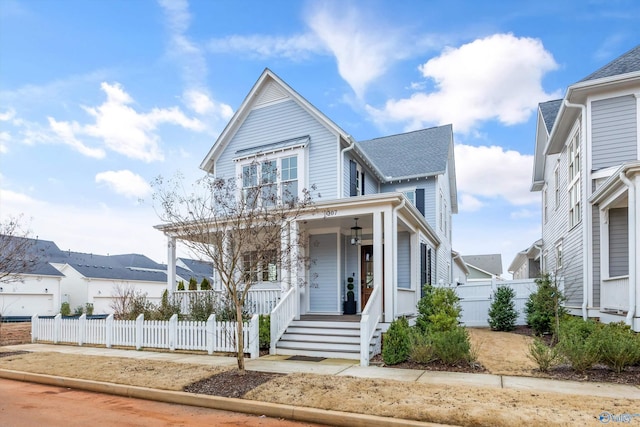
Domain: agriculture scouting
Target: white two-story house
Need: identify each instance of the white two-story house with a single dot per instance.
(588, 170)
(399, 191)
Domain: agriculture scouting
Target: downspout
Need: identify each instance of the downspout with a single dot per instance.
(632, 251)
(395, 257)
(585, 232)
(351, 146)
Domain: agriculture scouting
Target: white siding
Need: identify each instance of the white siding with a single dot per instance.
(279, 122)
(618, 242)
(614, 131)
(404, 260)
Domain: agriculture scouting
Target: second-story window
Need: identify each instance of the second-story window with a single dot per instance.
(269, 182)
(411, 195)
(573, 152)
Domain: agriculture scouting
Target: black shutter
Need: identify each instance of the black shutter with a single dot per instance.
(420, 200)
(362, 178)
(423, 267)
(429, 269)
(353, 190)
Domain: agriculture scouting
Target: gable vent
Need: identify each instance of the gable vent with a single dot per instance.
(273, 92)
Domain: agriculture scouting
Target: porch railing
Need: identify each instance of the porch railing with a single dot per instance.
(369, 320)
(281, 317)
(259, 301)
(614, 293)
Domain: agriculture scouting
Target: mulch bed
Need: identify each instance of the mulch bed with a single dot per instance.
(11, 353)
(231, 383)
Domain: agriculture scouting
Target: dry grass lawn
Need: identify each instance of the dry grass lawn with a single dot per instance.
(461, 405)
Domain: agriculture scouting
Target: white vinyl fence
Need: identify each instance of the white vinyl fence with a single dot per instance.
(476, 299)
(210, 336)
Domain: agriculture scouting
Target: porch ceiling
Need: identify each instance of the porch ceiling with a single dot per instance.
(344, 223)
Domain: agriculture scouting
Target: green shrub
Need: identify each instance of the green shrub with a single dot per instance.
(201, 306)
(543, 355)
(167, 308)
(181, 285)
(193, 284)
(205, 285)
(502, 313)
(618, 345)
(452, 347)
(78, 310)
(421, 349)
(396, 343)
(265, 331)
(438, 310)
(544, 307)
(65, 309)
(225, 310)
(88, 309)
(578, 343)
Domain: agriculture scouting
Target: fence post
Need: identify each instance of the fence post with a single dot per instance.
(34, 328)
(82, 328)
(173, 332)
(211, 333)
(254, 337)
(139, 330)
(57, 324)
(108, 330)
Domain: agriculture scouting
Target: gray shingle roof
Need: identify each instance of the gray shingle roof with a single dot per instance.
(491, 263)
(203, 268)
(549, 111)
(413, 154)
(627, 63)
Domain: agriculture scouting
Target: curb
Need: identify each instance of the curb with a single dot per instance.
(273, 410)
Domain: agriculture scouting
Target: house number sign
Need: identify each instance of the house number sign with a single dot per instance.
(329, 213)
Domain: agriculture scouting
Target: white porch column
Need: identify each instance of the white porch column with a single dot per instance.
(377, 250)
(171, 264)
(294, 268)
(390, 270)
(287, 263)
(634, 251)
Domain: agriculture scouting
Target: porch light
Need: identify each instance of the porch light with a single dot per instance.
(356, 233)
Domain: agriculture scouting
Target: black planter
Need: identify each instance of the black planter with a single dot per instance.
(350, 304)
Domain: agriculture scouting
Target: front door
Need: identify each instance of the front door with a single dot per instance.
(366, 274)
(323, 273)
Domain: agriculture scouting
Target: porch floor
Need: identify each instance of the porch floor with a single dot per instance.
(330, 317)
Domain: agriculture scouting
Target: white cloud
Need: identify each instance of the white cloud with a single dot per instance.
(125, 182)
(201, 103)
(495, 78)
(363, 46)
(490, 172)
(94, 229)
(66, 134)
(468, 203)
(524, 214)
(296, 47)
(7, 115)
(5, 137)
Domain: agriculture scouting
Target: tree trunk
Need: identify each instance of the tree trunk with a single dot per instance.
(240, 336)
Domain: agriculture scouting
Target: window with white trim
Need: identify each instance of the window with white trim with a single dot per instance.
(559, 255)
(573, 153)
(545, 214)
(259, 267)
(359, 180)
(556, 186)
(278, 181)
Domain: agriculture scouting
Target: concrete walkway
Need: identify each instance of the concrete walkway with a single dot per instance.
(345, 367)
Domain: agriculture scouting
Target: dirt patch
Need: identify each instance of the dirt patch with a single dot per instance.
(15, 333)
(231, 383)
(502, 353)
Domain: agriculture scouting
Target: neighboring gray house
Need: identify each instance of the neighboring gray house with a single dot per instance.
(526, 263)
(483, 267)
(587, 169)
(401, 188)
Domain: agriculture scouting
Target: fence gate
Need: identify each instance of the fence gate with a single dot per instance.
(476, 298)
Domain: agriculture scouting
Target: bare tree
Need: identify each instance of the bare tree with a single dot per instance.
(248, 231)
(17, 254)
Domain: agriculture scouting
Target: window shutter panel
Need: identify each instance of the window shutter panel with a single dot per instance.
(362, 178)
(420, 200)
(423, 267)
(352, 179)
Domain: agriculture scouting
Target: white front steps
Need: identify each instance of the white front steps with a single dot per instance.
(330, 339)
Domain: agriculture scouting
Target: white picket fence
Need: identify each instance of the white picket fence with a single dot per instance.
(476, 299)
(210, 336)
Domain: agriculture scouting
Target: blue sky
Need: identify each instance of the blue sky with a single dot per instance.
(97, 98)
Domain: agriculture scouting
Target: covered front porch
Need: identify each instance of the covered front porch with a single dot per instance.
(619, 220)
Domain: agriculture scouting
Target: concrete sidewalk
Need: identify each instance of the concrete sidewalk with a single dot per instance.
(343, 367)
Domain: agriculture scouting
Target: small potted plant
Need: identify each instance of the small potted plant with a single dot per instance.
(350, 303)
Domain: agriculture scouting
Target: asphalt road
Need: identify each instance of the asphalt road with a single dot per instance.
(27, 405)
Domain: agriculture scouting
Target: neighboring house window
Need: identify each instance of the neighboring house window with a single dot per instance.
(545, 260)
(574, 181)
(556, 186)
(558, 256)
